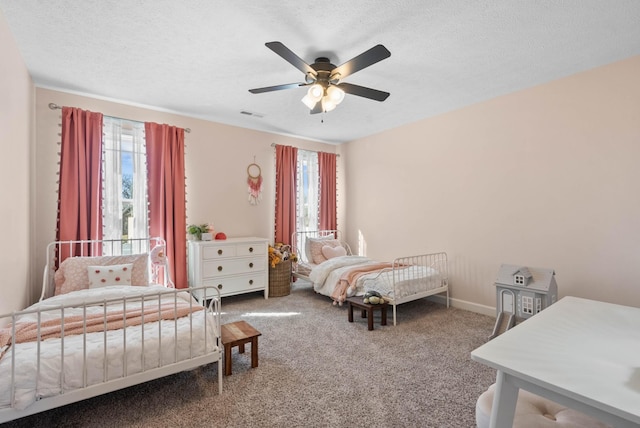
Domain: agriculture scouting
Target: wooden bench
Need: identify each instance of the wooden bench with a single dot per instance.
(367, 310)
(238, 334)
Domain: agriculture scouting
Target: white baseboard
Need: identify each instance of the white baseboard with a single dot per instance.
(467, 306)
(456, 303)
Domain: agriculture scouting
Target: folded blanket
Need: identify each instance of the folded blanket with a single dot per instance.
(350, 277)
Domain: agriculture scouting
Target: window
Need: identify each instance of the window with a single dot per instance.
(124, 175)
(527, 305)
(307, 193)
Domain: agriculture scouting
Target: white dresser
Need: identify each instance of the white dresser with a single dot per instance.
(234, 266)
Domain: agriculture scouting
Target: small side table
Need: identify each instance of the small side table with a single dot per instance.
(367, 310)
(238, 334)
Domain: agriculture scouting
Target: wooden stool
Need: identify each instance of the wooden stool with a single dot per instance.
(237, 334)
(367, 310)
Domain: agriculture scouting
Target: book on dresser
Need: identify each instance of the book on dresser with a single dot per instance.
(234, 266)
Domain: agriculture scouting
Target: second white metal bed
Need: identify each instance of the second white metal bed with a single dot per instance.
(402, 280)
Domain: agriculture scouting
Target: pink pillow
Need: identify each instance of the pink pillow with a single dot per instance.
(72, 273)
(330, 252)
(309, 242)
(316, 249)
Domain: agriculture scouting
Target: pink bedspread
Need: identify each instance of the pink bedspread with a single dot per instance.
(349, 278)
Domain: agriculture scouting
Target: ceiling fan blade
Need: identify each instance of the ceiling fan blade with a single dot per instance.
(276, 88)
(365, 59)
(362, 91)
(290, 57)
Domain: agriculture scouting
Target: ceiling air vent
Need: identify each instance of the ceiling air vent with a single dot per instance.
(248, 113)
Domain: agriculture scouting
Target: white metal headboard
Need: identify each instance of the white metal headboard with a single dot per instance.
(57, 251)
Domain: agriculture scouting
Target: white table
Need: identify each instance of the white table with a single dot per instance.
(579, 353)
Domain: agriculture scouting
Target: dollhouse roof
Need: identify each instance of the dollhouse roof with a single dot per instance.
(524, 271)
(541, 280)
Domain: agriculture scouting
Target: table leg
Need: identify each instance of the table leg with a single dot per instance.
(241, 348)
(370, 318)
(350, 312)
(254, 352)
(504, 402)
(227, 360)
(383, 316)
(363, 313)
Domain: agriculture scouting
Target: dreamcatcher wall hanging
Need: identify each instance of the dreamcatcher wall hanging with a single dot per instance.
(254, 181)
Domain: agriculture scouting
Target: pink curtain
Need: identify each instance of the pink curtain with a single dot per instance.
(167, 204)
(80, 186)
(286, 164)
(328, 212)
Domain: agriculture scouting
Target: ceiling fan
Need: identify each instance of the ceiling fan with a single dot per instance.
(326, 88)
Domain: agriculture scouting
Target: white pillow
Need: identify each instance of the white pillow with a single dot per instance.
(101, 276)
(330, 252)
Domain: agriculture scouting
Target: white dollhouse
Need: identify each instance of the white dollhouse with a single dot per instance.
(522, 292)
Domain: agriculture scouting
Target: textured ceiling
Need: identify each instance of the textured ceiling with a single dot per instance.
(199, 57)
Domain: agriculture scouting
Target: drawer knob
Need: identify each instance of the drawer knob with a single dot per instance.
(219, 268)
(220, 252)
(250, 265)
(251, 249)
(219, 286)
(251, 282)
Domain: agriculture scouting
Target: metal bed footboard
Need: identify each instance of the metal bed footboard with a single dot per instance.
(427, 274)
(162, 341)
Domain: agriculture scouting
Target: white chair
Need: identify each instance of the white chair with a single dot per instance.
(533, 411)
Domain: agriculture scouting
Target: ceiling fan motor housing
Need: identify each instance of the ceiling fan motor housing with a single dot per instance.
(323, 68)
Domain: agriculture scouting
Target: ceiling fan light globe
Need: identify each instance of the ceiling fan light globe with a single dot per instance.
(309, 102)
(336, 94)
(315, 92)
(328, 104)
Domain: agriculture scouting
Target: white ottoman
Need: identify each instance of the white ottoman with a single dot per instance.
(534, 411)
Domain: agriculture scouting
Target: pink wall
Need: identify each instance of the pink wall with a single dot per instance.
(16, 144)
(545, 177)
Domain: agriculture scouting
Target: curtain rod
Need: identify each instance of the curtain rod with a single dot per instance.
(317, 151)
(54, 106)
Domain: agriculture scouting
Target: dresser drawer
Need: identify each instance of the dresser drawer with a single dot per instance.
(216, 268)
(250, 249)
(218, 251)
(238, 284)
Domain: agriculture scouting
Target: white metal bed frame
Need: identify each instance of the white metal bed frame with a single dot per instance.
(408, 268)
(404, 269)
(164, 369)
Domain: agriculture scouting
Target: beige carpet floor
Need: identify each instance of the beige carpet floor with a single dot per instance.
(316, 370)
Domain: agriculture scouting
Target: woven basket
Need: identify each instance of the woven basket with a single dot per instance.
(280, 279)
